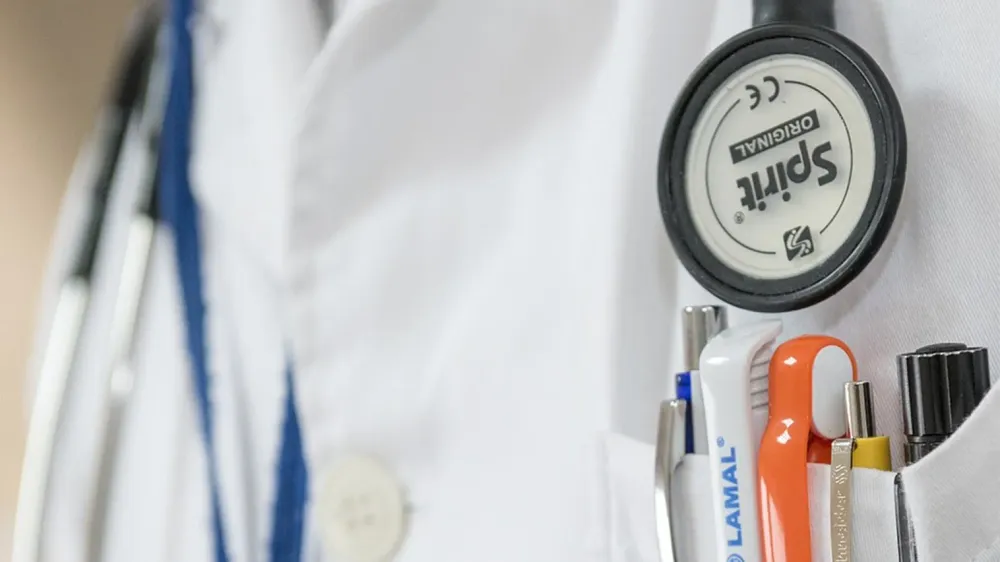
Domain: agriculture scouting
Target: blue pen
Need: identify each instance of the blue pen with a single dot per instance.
(700, 324)
(684, 393)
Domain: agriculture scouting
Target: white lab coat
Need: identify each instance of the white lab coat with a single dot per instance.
(444, 212)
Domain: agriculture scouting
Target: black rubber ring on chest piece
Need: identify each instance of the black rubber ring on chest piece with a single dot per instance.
(862, 244)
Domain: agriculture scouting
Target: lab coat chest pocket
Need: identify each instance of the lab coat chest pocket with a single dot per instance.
(954, 491)
(630, 519)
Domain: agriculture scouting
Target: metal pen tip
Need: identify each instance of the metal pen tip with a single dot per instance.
(860, 410)
(700, 323)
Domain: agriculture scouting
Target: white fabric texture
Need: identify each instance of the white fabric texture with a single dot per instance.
(447, 210)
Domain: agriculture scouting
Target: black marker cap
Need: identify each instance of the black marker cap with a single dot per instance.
(941, 385)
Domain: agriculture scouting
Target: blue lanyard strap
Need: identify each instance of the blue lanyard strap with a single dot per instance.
(180, 212)
(292, 489)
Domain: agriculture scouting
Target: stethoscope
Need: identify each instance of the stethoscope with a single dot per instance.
(783, 161)
(136, 107)
(781, 170)
(154, 101)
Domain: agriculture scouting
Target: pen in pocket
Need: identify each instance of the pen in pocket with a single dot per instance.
(732, 365)
(862, 448)
(870, 449)
(700, 324)
(941, 384)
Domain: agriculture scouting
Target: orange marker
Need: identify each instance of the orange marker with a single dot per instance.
(806, 386)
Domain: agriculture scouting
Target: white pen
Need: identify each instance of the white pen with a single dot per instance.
(727, 367)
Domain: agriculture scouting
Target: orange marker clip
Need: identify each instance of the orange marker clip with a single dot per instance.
(806, 385)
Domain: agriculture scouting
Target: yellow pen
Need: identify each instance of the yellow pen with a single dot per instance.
(871, 450)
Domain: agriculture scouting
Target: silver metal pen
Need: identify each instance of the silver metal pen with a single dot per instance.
(904, 527)
(669, 451)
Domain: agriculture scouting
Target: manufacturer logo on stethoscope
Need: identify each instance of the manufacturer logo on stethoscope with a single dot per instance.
(774, 136)
(780, 166)
(798, 242)
(792, 159)
(779, 175)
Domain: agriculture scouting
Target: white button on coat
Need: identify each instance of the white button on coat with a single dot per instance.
(361, 510)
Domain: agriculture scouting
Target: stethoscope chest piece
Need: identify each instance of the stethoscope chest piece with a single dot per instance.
(782, 166)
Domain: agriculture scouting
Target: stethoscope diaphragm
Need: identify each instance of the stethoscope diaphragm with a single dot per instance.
(782, 166)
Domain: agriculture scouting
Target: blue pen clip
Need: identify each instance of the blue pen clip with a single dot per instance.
(683, 383)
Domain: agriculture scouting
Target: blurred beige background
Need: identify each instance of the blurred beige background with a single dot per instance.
(55, 59)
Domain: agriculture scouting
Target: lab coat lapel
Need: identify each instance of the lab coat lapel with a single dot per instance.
(413, 88)
(253, 57)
